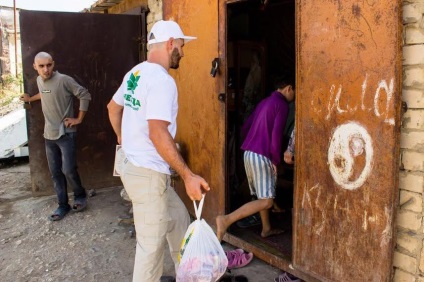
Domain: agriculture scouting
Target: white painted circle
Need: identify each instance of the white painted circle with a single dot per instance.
(349, 141)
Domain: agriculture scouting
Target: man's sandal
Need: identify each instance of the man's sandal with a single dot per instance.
(58, 214)
(79, 205)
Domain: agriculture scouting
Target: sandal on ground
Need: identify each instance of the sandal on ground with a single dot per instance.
(285, 277)
(58, 214)
(238, 258)
(79, 205)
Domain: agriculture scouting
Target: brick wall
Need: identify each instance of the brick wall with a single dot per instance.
(155, 9)
(409, 253)
(155, 14)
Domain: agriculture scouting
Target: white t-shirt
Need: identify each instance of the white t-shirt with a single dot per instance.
(147, 92)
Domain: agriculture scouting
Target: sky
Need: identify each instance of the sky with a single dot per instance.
(50, 5)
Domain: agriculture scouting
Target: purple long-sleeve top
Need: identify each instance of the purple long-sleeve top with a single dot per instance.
(263, 130)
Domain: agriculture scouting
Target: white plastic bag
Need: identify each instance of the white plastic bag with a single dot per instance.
(201, 257)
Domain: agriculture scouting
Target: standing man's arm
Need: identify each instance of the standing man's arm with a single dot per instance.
(26, 98)
(115, 117)
(84, 99)
(69, 122)
(165, 145)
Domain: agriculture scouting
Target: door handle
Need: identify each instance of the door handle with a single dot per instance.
(215, 65)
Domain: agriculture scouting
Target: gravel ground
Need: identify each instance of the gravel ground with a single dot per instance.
(86, 246)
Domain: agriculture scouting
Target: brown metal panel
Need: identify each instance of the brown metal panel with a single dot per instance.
(201, 117)
(348, 128)
(97, 50)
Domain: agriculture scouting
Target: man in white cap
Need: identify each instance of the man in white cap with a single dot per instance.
(143, 114)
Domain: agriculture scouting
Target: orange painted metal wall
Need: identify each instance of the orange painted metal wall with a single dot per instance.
(201, 117)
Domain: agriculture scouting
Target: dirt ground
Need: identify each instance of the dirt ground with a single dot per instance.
(87, 246)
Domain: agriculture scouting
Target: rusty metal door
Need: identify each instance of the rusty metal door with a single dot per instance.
(96, 50)
(348, 132)
(201, 116)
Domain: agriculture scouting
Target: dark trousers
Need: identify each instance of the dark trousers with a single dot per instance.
(61, 157)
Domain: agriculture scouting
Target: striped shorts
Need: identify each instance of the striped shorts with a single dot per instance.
(260, 175)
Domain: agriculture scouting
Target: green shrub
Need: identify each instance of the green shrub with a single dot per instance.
(10, 88)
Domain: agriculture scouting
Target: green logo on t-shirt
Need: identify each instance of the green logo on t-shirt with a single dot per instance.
(132, 84)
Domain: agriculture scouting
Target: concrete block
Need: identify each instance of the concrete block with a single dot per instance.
(402, 276)
(412, 13)
(409, 220)
(414, 35)
(413, 55)
(421, 266)
(155, 12)
(412, 140)
(413, 161)
(409, 243)
(413, 119)
(405, 262)
(414, 77)
(411, 201)
(413, 182)
(414, 98)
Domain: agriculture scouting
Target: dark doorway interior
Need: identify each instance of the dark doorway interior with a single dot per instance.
(260, 46)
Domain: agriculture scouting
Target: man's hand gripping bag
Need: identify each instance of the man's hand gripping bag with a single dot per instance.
(201, 257)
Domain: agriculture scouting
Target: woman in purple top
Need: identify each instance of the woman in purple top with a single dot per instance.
(263, 132)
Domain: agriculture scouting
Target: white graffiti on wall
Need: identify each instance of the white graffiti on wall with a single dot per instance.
(379, 111)
(389, 93)
(349, 142)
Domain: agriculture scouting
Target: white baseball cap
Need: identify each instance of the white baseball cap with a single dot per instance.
(163, 30)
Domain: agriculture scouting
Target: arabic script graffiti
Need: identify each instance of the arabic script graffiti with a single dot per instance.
(380, 109)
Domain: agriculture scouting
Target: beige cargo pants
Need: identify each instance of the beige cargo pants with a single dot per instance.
(159, 216)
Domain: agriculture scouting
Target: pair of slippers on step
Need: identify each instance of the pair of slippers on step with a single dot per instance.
(238, 258)
(78, 206)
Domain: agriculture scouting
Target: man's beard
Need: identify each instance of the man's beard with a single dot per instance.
(175, 59)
